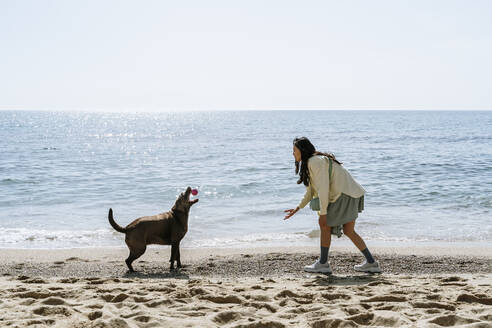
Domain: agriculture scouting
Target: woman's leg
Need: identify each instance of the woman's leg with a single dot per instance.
(325, 240)
(322, 265)
(348, 230)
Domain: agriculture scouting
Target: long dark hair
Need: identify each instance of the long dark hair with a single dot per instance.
(307, 150)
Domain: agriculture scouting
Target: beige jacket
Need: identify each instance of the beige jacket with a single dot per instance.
(327, 188)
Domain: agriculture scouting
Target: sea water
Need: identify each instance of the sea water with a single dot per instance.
(428, 175)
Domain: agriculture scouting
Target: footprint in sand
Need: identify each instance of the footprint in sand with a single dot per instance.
(107, 297)
(53, 301)
(362, 319)
(226, 317)
(451, 320)
(52, 310)
(468, 298)
(94, 315)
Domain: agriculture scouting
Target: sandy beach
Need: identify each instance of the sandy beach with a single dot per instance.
(255, 287)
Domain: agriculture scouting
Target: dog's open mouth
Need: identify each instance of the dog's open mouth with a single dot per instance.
(188, 195)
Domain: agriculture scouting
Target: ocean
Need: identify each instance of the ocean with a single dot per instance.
(428, 175)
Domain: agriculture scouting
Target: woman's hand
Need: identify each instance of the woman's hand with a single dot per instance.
(290, 212)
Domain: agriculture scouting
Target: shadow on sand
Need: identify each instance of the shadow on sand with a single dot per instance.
(349, 280)
(175, 274)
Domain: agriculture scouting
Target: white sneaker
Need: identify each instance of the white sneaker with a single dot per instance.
(318, 267)
(368, 267)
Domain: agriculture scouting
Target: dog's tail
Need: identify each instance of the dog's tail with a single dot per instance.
(115, 225)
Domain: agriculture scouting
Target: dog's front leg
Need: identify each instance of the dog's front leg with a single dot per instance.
(173, 256)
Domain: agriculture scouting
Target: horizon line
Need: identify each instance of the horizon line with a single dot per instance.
(143, 110)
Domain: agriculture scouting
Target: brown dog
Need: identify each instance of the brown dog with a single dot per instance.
(164, 229)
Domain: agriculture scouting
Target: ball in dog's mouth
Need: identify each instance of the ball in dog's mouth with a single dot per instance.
(194, 192)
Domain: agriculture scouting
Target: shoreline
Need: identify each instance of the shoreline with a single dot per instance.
(314, 242)
(46, 254)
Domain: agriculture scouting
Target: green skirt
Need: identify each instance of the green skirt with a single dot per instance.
(344, 210)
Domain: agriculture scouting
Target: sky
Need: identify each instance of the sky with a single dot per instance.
(245, 55)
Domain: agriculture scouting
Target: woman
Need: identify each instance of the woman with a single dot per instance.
(340, 199)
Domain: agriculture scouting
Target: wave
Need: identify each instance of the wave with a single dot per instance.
(27, 238)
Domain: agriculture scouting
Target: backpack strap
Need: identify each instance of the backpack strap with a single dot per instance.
(330, 168)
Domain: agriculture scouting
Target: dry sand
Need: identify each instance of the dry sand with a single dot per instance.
(420, 287)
